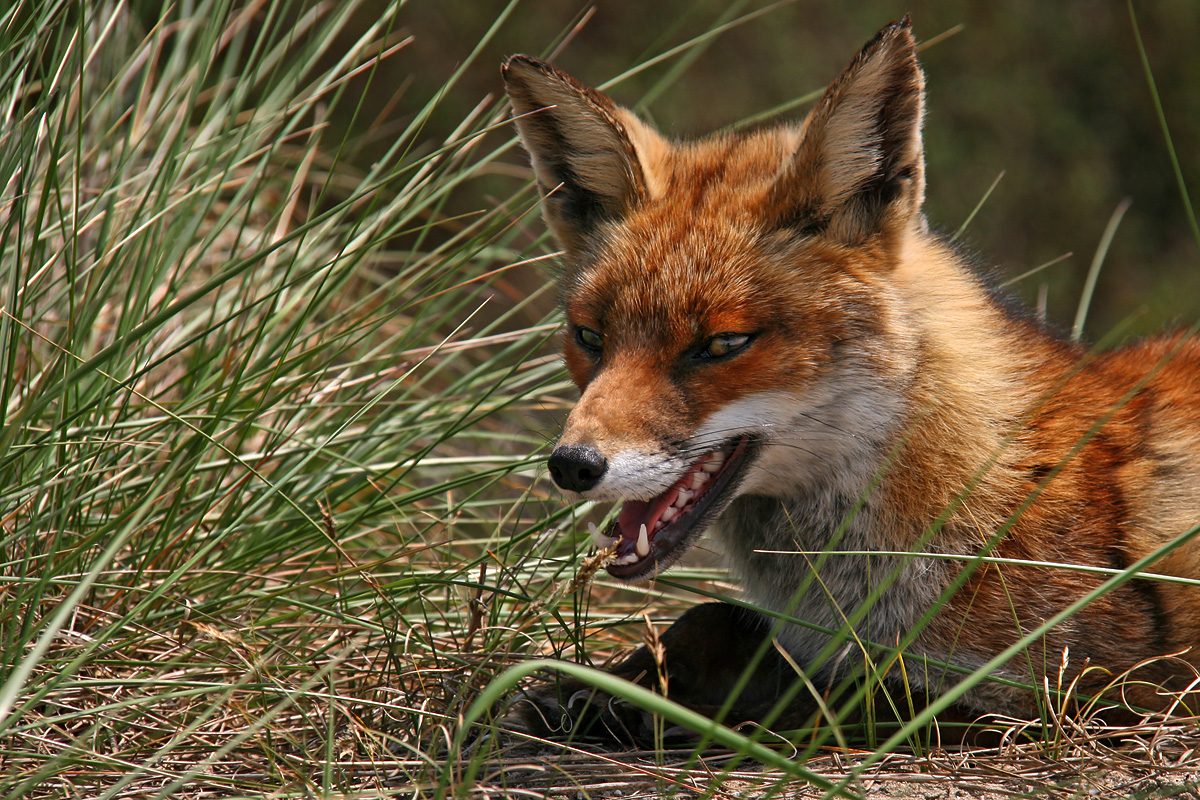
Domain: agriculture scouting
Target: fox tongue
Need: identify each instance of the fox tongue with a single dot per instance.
(679, 498)
(634, 514)
(649, 535)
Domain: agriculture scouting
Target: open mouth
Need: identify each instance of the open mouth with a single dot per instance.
(650, 535)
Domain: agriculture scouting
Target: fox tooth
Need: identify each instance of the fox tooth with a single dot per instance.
(601, 540)
(643, 542)
(684, 497)
(714, 462)
(699, 479)
(628, 558)
(669, 513)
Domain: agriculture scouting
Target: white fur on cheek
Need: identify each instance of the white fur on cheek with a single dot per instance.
(834, 430)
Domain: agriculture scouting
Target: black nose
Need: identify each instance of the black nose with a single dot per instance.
(577, 468)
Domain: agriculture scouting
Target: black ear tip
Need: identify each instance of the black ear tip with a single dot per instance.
(521, 58)
(522, 63)
(901, 29)
(893, 37)
(897, 28)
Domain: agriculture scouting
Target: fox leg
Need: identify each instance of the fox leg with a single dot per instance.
(703, 655)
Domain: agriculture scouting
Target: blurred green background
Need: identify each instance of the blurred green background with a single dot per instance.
(1052, 94)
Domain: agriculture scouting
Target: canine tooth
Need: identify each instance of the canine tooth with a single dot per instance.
(684, 498)
(601, 540)
(699, 479)
(669, 513)
(643, 542)
(714, 462)
(642, 546)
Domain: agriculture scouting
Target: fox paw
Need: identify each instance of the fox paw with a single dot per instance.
(569, 709)
(703, 655)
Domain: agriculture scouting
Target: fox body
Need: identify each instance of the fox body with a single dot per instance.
(772, 346)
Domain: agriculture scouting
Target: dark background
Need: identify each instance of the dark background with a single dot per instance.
(1051, 93)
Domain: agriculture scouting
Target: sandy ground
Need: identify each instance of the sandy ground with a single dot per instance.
(525, 771)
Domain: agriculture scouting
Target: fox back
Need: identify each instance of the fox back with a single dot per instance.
(772, 346)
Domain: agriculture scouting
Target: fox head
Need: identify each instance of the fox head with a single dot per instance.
(729, 312)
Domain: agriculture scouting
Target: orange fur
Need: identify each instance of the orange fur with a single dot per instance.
(771, 306)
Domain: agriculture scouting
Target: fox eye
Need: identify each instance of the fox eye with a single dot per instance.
(725, 344)
(589, 339)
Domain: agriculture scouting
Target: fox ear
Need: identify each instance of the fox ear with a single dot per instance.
(582, 146)
(859, 168)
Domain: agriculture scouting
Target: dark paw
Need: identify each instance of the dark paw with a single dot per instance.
(702, 656)
(571, 709)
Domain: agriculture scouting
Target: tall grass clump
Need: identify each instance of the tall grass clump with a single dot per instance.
(275, 379)
(265, 440)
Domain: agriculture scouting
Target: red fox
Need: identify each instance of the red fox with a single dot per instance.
(774, 348)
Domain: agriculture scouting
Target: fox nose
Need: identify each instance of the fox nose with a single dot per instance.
(577, 468)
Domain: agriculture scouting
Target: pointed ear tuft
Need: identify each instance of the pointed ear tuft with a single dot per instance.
(859, 168)
(579, 141)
